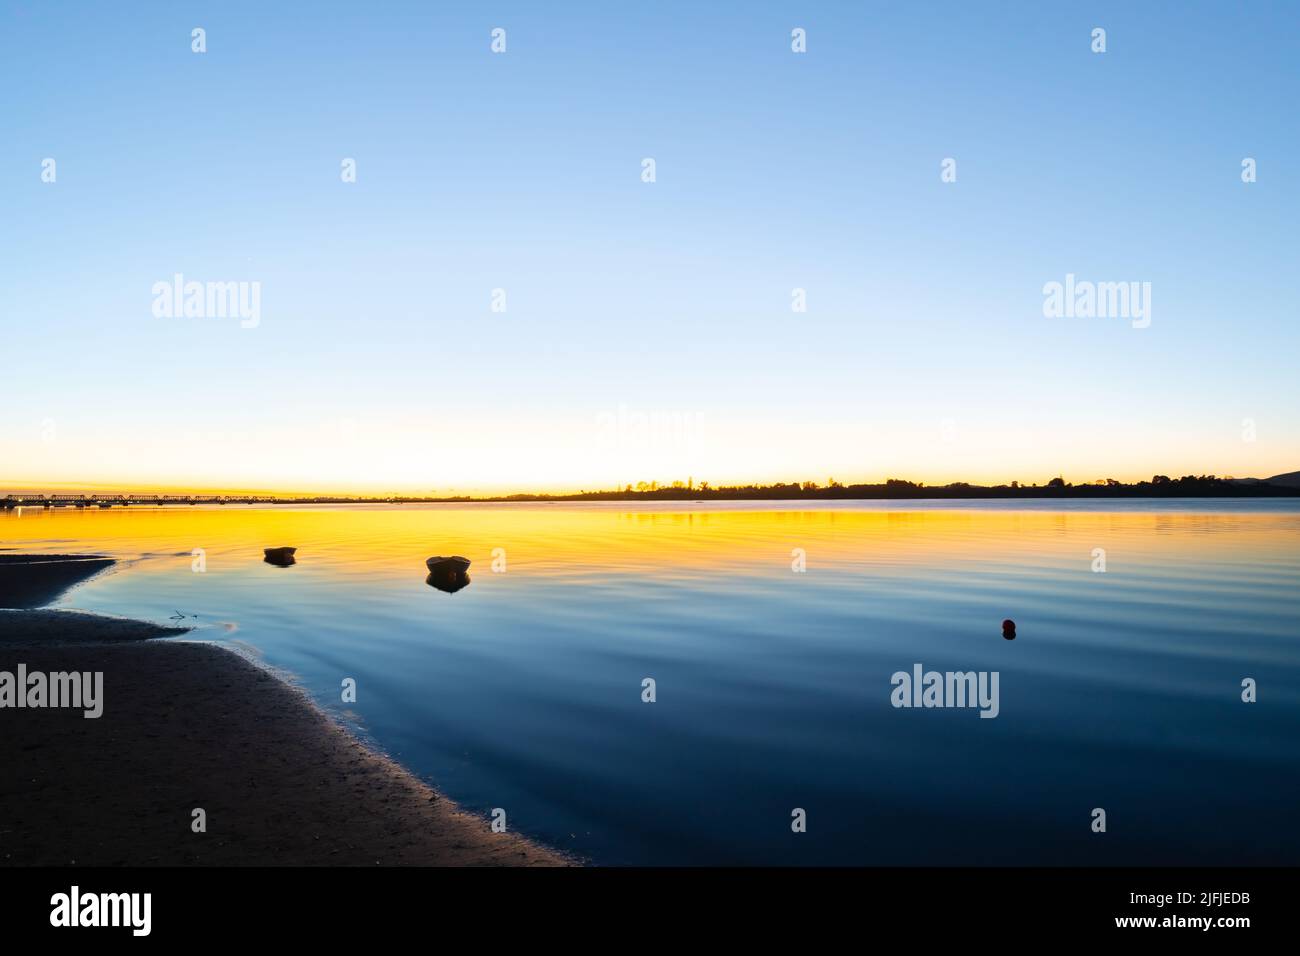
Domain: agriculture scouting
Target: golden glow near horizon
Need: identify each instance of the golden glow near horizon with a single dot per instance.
(603, 452)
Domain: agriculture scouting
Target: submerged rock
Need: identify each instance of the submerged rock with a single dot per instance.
(448, 583)
(280, 557)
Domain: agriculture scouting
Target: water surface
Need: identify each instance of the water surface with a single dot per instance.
(524, 689)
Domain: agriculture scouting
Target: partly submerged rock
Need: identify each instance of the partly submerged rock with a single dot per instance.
(280, 557)
(447, 574)
(455, 562)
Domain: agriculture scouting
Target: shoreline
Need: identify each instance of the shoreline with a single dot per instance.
(190, 726)
(1057, 489)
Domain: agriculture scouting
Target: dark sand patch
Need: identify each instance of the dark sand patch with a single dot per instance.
(30, 580)
(189, 725)
(45, 627)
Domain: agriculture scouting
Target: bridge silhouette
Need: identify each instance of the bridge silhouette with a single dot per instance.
(119, 500)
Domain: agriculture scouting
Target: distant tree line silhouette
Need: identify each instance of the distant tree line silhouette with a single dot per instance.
(1160, 486)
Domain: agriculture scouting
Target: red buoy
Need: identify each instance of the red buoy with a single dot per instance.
(1009, 629)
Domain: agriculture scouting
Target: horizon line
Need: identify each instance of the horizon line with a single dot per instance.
(832, 488)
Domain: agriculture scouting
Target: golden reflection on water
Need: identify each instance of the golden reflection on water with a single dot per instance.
(557, 539)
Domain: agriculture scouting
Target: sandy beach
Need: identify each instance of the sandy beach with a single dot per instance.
(188, 726)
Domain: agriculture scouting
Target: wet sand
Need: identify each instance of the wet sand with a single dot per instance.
(45, 627)
(30, 580)
(187, 725)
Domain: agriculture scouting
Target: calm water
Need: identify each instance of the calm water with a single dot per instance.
(523, 690)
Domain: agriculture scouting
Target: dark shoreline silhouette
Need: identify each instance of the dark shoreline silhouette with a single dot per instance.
(31, 580)
(1160, 486)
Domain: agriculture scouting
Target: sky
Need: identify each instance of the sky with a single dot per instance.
(649, 330)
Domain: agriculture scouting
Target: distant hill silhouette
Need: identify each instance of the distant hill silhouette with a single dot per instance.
(1290, 480)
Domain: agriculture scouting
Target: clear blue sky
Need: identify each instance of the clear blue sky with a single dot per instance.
(378, 365)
